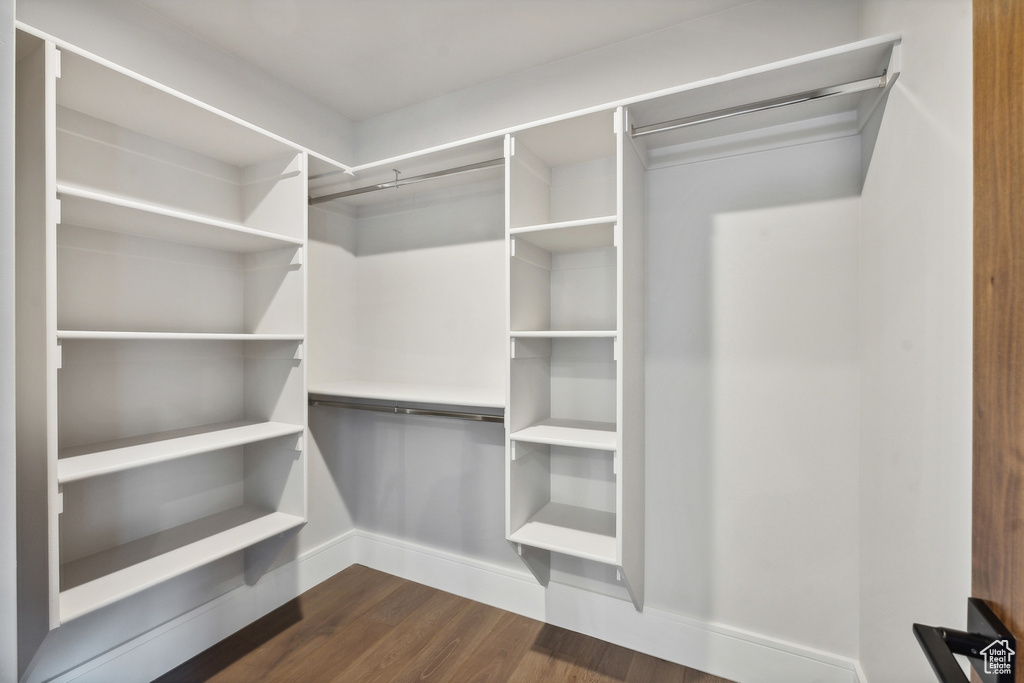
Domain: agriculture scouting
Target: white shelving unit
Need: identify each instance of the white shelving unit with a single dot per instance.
(162, 330)
(576, 278)
(161, 341)
(574, 217)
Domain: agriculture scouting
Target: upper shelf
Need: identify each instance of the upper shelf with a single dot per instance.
(146, 107)
(91, 209)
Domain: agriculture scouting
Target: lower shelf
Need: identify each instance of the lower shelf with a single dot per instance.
(106, 577)
(571, 530)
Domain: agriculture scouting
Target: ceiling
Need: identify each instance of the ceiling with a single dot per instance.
(364, 58)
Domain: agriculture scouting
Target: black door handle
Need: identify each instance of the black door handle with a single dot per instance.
(989, 646)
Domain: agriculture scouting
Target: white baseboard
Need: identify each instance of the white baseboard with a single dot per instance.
(716, 649)
(721, 650)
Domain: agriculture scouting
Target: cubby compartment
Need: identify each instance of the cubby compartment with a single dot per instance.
(126, 148)
(563, 279)
(564, 499)
(169, 518)
(109, 390)
(562, 172)
(563, 390)
(111, 282)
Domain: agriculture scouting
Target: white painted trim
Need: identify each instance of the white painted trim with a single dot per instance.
(715, 648)
(507, 589)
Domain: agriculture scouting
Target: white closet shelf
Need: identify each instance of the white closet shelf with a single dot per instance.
(412, 393)
(95, 460)
(174, 336)
(114, 94)
(92, 209)
(571, 530)
(111, 575)
(578, 235)
(562, 334)
(575, 433)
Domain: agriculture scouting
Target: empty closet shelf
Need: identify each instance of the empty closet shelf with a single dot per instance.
(563, 334)
(176, 336)
(571, 530)
(93, 209)
(123, 454)
(106, 577)
(575, 433)
(592, 233)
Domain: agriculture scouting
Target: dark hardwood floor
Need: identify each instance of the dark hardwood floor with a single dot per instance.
(363, 626)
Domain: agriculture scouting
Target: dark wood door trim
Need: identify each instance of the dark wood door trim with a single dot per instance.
(998, 487)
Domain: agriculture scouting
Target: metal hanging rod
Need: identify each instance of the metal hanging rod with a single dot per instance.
(402, 410)
(401, 182)
(873, 83)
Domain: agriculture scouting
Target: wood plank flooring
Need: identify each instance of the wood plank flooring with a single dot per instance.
(366, 626)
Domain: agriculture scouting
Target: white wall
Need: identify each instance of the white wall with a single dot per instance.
(752, 393)
(423, 271)
(916, 265)
(756, 33)
(8, 583)
(131, 36)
